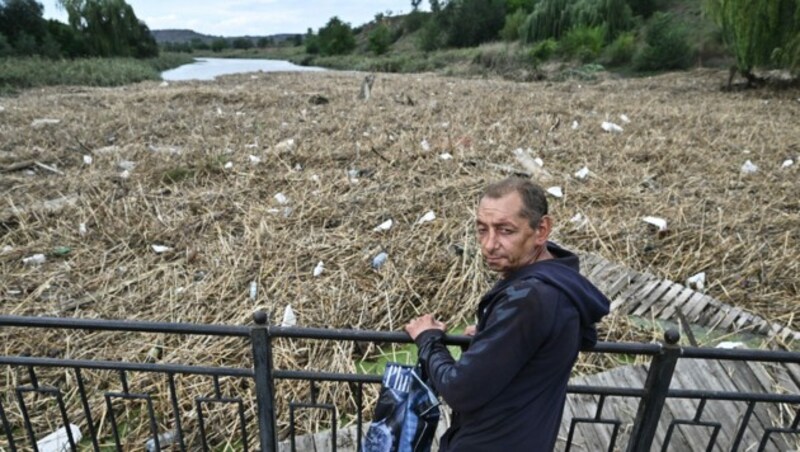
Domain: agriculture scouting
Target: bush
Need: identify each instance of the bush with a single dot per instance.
(242, 43)
(621, 50)
(583, 43)
(514, 22)
(666, 45)
(5, 47)
(336, 38)
(380, 39)
(219, 44)
(413, 21)
(431, 36)
(543, 50)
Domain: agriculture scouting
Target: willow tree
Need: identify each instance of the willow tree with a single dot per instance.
(110, 28)
(761, 33)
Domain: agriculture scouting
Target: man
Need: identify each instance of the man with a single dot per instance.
(508, 389)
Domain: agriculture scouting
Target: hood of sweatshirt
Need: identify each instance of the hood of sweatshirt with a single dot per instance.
(563, 272)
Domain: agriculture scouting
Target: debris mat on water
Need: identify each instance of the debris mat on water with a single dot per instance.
(180, 236)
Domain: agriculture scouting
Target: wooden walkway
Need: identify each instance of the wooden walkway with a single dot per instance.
(728, 376)
(648, 296)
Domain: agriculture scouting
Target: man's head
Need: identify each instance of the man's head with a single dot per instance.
(512, 224)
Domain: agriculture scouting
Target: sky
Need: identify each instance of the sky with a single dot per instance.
(250, 17)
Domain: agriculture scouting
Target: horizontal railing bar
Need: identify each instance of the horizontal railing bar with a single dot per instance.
(403, 338)
(775, 356)
(732, 396)
(121, 365)
(325, 376)
(124, 325)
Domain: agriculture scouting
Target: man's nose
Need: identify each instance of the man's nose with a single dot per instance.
(491, 240)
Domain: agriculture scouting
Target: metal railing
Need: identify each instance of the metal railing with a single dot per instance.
(21, 379)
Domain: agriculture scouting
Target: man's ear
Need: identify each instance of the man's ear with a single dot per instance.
(544, 229)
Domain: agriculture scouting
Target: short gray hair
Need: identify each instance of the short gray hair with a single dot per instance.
(534, 201)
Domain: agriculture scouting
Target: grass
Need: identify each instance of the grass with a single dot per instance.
(30, 72)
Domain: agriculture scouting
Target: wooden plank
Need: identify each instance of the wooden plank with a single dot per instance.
(654, 295)
(667, 299)
(624, 280)
(699, 374)
(680, 299)
(698, 303)
(628, 298)
(726, 322)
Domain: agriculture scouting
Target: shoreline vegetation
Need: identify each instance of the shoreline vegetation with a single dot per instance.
(18, 73)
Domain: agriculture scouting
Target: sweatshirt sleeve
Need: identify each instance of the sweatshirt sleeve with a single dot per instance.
(514, 331)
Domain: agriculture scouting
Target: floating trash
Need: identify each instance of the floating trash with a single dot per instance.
(446, 156)
(164, 84)
(281, 198)
(255, 160)
(577, 218)
(58, 441)
(36, 259)
(228, 165)
(385, 226)
(659, 223)
(749, 167)
(610, 127)
(253, 290)
(87, 159)
(164, 441)
(289, 319)
(731, 344)
(428, 217)
(582, 173)
(624, 118)
(556, 192)
(379, 260)
(126, 165)
(285, 145)
(320, 267)
(43, 122)
(697, 282)
(425, 145)
(787, 163)
(159, 249)
(575, 125)
(82, 229)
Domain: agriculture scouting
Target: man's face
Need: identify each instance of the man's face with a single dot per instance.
(507, 240)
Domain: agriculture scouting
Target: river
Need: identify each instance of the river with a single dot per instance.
(209, 68)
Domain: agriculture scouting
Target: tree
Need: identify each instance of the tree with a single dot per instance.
(264, 42)
(311, 42)
(71, 42)
(666, 45)
(471, 22)
(380, 38)
(110, 28)
(22, 16)
(761, 33)
(219, 44)
(242, 43)
(336, 38)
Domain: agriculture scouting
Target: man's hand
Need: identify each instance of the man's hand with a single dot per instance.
(423, 323)
(471, 330)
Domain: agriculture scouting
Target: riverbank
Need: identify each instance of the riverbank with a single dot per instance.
(18, 73)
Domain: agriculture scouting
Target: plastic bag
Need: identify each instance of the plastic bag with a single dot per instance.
(406, 414)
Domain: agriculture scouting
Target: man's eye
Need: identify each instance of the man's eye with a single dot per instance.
(506, 231)
(481, 231)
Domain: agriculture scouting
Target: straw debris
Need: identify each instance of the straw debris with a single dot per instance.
(342, 167)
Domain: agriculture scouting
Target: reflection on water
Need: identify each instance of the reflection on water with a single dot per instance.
(208, 68)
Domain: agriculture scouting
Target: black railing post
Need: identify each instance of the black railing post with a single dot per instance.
(262, 365)
(655, 394)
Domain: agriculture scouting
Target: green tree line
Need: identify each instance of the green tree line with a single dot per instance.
(96, 28)
(645, 34)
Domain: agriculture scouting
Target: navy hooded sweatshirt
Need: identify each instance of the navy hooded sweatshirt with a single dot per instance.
(508, 389)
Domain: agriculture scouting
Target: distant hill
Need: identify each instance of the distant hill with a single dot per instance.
(184, 36)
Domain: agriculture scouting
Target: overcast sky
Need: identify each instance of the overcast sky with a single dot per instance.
(250, 17)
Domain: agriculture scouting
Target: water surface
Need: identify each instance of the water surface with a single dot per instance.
(209, 68)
